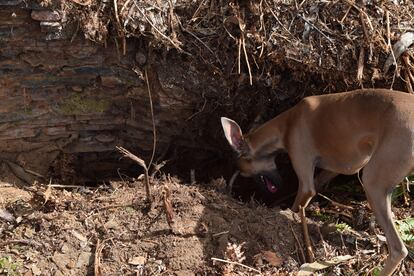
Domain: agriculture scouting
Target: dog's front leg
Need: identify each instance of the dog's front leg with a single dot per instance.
(306, 190)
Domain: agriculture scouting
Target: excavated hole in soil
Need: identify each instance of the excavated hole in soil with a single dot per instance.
(92, 169)
(100, 167)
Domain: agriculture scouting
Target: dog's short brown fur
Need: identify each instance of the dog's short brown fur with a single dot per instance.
(341, 133)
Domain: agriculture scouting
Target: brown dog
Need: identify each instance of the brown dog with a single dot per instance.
(340, 133)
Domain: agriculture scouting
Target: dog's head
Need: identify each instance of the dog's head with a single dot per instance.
(258, 165)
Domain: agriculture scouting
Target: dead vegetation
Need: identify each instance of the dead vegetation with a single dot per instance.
(336, 40)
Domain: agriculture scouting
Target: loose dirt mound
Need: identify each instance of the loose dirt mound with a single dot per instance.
(112, 231)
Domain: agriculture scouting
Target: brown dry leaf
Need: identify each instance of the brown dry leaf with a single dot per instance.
(272, 258)
(311, 268)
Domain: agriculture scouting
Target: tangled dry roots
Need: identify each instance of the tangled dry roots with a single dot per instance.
(343, 40)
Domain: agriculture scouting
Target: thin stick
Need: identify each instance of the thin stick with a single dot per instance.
(277, 19)
(360, 71)
(323, 241)
(311, 256)
(405, 188)
(387, 13)
(247, 60)
(236, 263)
(345, 15)
(407, 74)
(169, 212)
(408, 81)
(319, 31)
(390, 46)
(124, 6)
(336, 203)
(22, 241)
(97, 260)
(239, 57)
(158, 31)
(299, 244)
(154, 131)
(202, 42)
(361, 11)
(140, 162)
(66, 186)
(113, 206)
(364, 27)
(197, 11)
(121, 32)
(232, 179)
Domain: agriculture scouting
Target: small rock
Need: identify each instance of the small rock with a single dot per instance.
(66, 248)
(140, 260)
(79, 236)
(84, 259)
(28, 233)
(61, 260)
(77, 88)
(6, 215)
(71, 264)
(56, 35)
(46, 15)
(104, 138)
(111, 224)
(110, 81)
(36, 270)
(50, 27)
(58, 130)
(58, 273)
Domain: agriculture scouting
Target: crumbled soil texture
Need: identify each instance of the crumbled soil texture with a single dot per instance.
(112, 230)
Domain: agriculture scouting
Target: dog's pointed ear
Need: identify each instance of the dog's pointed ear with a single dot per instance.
(233, 133)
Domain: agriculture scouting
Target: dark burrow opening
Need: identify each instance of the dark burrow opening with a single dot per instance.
(93, 169)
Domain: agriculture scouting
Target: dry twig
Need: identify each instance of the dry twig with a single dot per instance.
(154, 131)
(310, 256)
(21, 241)
(97, 261)
(140, 162)
(119, 27)
(158, 31)
(360, 73)
(169, 212)
(302, 254)
(236, 263)
(335, 203)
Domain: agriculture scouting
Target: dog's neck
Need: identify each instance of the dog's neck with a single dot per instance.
(269, 137)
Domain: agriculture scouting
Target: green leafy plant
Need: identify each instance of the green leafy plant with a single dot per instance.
(406, 229)
(342, 226)
(321, 216)
(397, 193)
(8, 267)
(376, 271)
